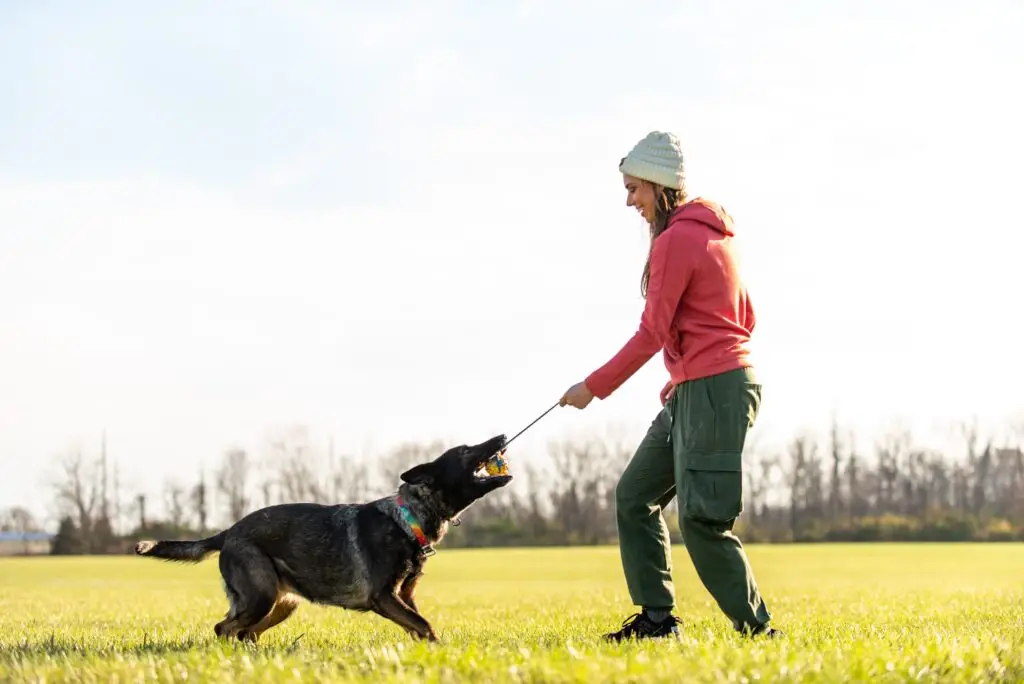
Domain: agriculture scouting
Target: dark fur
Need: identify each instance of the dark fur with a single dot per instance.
(354, 556)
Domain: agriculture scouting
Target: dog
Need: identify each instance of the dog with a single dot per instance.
(362, 557)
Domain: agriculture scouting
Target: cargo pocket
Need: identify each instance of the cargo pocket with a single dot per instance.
(711, 495)
(712, 421)
(696, 422)
(719, 412)
(735, 406)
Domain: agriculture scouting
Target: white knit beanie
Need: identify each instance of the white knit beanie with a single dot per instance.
(657, 158)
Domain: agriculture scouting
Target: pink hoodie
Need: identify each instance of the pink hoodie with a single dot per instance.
(698, 311)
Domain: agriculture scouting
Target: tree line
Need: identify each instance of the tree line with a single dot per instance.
(811, 490)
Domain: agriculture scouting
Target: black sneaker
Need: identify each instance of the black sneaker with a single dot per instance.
(639, 626)
(764, 631)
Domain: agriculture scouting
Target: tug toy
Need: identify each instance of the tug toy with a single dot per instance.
(497, 464)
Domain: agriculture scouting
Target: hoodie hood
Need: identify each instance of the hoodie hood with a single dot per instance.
(710, 213)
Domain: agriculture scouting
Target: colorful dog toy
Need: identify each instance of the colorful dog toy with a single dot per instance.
(497, 464)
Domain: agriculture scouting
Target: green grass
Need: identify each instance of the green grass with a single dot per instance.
(851, 612)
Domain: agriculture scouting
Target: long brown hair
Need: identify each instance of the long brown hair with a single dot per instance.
(669, 199)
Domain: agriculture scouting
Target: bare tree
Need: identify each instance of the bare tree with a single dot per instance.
(1015, 508)
(348, 480)
(140, 506)
(198, 499)
(584, 488)
(799, 457)
(17, 519)
(20, 521)
(938, 486)
(403, 457)
(980, 485)
(979, 465)
(174, 501)
(77, 487)
(758, 483)
(835, 498)
(232, 480)
(293, 459)
(267, 490)
(892, 450)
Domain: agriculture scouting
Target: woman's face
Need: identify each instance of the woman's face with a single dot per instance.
(641, 195)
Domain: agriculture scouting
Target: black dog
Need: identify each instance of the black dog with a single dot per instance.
(364, 557)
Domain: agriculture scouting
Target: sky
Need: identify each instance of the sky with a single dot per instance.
(392, 222)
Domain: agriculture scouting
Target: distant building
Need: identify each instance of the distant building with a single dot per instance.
(25, 543)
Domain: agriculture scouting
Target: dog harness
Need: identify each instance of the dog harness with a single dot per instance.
(414, 527)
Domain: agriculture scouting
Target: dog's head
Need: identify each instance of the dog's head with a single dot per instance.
(457, 478)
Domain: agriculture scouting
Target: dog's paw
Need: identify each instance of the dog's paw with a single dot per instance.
(144, 547)
(247, 637)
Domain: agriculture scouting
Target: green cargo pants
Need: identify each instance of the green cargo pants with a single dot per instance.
(693, 449)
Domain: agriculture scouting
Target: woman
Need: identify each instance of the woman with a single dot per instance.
(699, 315)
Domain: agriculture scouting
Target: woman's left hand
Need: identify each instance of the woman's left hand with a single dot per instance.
(579, 395)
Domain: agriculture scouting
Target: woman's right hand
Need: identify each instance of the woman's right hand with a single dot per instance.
(666, 392)
(579, 395)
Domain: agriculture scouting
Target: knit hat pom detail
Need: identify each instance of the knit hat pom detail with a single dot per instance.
(658, 158)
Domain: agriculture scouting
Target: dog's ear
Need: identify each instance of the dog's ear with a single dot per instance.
(421, 474)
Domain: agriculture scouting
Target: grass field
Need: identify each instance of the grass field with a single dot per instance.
(851, 613)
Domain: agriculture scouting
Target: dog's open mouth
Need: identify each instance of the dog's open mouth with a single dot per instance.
(493, 466)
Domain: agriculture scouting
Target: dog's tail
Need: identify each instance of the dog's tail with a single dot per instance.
(182, 551)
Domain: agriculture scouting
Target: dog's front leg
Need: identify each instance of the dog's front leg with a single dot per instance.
(407, 591)
(394, 609)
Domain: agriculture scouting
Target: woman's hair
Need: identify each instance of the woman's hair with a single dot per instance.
(669, 199)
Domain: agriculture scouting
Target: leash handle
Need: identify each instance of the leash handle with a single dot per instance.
(532, 424)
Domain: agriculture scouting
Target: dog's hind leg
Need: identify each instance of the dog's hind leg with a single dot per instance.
(393, 608)
(282, 610)
(251, 585)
